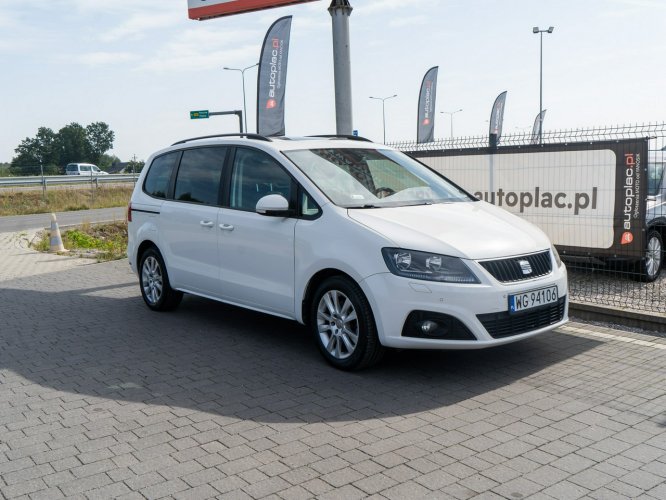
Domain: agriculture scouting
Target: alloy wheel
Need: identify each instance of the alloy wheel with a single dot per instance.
(337, 324)
(653, 256)
(152, 280)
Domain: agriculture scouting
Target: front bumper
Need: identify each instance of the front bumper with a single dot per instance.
(393, 298)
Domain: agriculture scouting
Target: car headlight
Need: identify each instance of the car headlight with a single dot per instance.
(427, 266)
(558, 261)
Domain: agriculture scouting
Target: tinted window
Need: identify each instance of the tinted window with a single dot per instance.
(255, 175)
(85, 168)
(199, 175)
(159, 175)
(655, 174)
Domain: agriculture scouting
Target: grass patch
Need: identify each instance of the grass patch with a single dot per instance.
(102, 242)
(63, 199)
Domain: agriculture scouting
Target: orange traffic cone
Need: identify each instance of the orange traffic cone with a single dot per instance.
(56, 239)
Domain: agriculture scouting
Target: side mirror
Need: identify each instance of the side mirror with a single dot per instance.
(274, 205)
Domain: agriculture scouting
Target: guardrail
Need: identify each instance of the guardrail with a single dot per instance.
(47, 180)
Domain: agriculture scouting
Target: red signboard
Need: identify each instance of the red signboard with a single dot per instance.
(207, 9)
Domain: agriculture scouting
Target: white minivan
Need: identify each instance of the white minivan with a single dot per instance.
(367, 246)
(83, 169)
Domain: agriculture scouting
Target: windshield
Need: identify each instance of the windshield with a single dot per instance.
(369, 178)
(655, 173)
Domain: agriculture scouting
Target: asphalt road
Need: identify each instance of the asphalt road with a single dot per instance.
(37, 221)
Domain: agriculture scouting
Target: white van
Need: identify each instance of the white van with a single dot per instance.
(83, 169)
(364, 244)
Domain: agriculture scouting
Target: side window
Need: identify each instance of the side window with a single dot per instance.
(309, 208)
(255, 175)
(85, 168)
(199, 175)
(159, 175)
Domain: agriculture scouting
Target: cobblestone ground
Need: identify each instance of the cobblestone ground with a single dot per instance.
(102, 398)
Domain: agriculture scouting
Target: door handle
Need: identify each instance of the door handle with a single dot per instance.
(226, 227)
(206, 223)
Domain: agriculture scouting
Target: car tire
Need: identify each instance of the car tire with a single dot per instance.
(154, 282)
(343, 325)
(653, 260)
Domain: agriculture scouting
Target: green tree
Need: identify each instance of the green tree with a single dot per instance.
(73, 144)
(33, 152)
(107, 161)
(100, 140)
(134, 166)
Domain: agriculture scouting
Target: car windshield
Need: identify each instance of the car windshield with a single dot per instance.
(370, 178)
(655, 173)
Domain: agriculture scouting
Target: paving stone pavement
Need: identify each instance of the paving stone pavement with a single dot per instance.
(102, 398)
(18, 260)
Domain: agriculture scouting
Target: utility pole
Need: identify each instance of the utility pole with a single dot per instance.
(340, 11)
(536, 30)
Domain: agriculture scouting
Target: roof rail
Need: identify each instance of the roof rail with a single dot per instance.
(342, 136)
(237, 134)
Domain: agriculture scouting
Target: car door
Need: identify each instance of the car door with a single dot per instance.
(188, 221)
(256, 252)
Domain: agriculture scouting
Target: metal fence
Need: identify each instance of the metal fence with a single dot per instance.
(597, 192)
(55, 180)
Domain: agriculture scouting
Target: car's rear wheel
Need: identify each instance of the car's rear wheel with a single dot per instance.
(344, 326)
(155, 287)
(654, 257)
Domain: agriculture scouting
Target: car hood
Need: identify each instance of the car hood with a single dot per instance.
(471, 230)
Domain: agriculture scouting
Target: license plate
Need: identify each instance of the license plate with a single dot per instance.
(534, 298)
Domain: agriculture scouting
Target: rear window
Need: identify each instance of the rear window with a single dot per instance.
(159, 175)
(71, 167)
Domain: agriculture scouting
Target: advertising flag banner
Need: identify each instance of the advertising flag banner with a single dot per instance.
(535, 129)
(425, 129)
(272, 78)
(497, 119)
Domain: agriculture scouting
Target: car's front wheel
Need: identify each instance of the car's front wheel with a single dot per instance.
(344, 326)
(155, 287)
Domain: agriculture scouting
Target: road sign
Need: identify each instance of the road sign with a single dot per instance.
(194, 115)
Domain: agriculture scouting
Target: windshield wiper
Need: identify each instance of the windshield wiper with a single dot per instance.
(419, 204)
(367, 205)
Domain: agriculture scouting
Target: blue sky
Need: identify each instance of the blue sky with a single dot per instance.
(141, 66)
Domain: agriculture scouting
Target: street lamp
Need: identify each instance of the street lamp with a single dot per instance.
(451, 113)
(242, 72)
(383, 99)
(536, 30)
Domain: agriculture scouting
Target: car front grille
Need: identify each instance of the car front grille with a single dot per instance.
(501, 325)
(519, 268)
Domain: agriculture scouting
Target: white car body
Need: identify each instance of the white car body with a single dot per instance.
(268, 263)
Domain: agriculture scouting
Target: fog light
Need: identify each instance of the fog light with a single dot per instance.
(435, 326)
(428, 327)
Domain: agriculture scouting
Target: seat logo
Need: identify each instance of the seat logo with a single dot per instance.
(525, 266)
